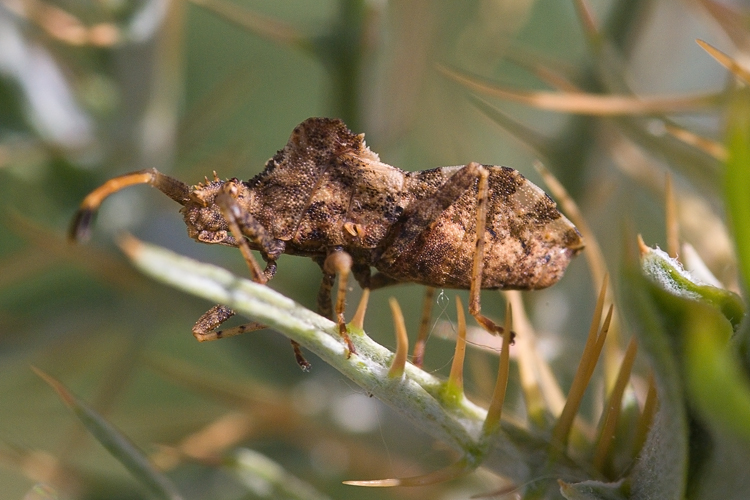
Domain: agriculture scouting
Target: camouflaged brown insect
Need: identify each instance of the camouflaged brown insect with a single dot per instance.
(328, 197)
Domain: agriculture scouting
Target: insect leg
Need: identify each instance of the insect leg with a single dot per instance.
(244, 224)
(241, 223)
(424, 328)
(380, 280)
(475, 306)
(203, 330)
(175, 189)
(325, 306)
(340, 262)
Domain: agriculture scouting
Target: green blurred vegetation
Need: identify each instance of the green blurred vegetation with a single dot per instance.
(90, 90)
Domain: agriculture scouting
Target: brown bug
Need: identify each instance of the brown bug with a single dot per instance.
(328, 197)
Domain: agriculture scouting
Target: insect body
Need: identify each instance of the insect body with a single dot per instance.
(327, 196)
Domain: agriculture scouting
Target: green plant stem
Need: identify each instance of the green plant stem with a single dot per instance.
(418, 395)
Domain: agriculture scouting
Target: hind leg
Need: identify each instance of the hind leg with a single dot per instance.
(419, 222)
(475, 305)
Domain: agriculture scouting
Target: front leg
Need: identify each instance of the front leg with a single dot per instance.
(241, 223)
(204, 329)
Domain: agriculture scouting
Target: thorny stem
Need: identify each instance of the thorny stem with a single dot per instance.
(358, 320)
(418, 395)
(402, 341)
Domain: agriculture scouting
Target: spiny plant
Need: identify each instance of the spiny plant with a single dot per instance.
(668, 422)
(699, 386)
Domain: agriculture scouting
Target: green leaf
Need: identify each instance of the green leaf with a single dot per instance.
(704, 396)
(718, 387)
(673, 279)
(719, 393)
(662, 466)
(737, 193)
(267, 479)
(41, 491)
(116, 443)
(592, 490)
(418, 395)
(737, 180)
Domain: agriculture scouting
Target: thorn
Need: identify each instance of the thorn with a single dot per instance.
(453, 471)
(600, 341)
(614, 406)
(417, 358)
(542, 393)
(708, 146)
(358, 321)
(647, 417)
(494, 412)
(402, 341)
(375, 483)
(672, 220)
(726, 61)
(642, 247)
(456, 378)
(129, 244)
(589, 358)
(59, 388)
(586, 16)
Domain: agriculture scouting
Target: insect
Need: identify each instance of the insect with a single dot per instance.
(327, 196)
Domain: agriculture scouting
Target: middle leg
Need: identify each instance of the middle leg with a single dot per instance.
(340, 263)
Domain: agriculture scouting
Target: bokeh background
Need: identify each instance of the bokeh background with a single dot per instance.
(94, 89)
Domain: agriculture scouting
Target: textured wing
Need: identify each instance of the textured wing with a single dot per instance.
(528, 242)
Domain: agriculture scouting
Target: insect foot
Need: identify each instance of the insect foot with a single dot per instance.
(340, 263)
(326, 195)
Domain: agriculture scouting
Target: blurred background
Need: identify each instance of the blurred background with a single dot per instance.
(94, 89)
